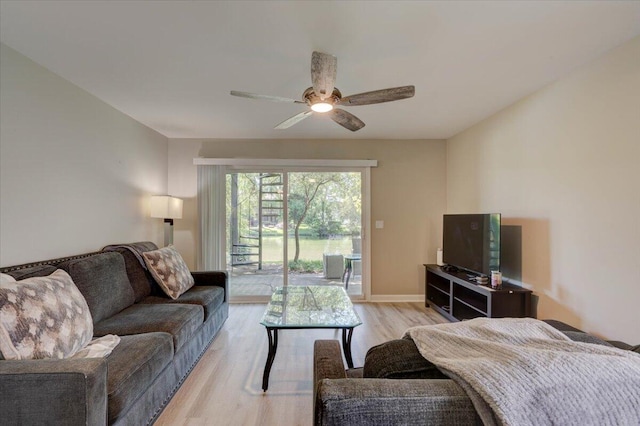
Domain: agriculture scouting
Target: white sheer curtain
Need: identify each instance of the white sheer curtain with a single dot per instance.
(211, 216)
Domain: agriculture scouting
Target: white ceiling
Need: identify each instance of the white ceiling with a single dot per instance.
(171, 64)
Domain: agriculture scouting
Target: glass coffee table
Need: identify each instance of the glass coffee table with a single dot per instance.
(296, 307)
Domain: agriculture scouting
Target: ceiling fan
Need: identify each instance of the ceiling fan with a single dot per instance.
(323, 97)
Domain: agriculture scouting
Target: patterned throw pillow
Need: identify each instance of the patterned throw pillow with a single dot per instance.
(100, 347)
(43, 317)
(169, 270)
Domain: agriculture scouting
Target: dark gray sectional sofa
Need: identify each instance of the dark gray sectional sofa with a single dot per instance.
(397, 386)
(161, 341)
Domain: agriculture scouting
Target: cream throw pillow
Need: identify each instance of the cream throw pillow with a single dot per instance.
(6, 278)
(169, 270)
(43, 317)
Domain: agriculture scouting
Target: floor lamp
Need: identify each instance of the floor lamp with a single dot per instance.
(167, 208)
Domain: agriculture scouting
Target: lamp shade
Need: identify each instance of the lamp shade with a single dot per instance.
(165, 206)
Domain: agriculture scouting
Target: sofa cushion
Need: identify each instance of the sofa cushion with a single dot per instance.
(207, 297)
(34, 271)
(398, 359)
(179, 320)
(579, 336)
(355, 373)
(43, 317)
(140, 278)
(169, 270)
(102, 280)
(559, 325)
(133, 366)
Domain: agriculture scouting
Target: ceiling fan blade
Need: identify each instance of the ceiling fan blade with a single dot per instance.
(346, 119)
(293, 120)
(379, 96)
(264, 97)
(323, 73)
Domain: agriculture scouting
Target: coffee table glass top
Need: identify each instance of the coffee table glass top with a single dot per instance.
(310, 307)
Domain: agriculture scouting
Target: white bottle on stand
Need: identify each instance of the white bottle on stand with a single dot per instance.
(439, 261)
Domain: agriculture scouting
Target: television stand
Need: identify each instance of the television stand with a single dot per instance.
(457, 297)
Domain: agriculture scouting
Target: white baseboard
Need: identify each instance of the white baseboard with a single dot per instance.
(397, 298)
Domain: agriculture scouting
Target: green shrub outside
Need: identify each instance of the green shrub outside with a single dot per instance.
(306, 266)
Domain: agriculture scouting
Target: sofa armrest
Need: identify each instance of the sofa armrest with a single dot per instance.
(327, 361)
(620, 345)
(212, 278)
(327, 364)
(67, 391)
(339, 400)
(360, 402)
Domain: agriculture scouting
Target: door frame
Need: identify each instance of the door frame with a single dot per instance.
(240, 165)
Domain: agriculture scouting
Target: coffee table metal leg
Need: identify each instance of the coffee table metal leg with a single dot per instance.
(346, 345)
(273, 346)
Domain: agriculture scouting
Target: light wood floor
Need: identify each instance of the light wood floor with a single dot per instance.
(225, 387)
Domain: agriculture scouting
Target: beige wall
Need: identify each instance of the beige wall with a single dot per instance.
(408, 193)
(564, 164)
(75, 174)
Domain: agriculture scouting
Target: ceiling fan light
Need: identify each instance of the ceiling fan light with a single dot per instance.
(322, 107)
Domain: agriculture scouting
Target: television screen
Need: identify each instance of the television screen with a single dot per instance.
(472, 242)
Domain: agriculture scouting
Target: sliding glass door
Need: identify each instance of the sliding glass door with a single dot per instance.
(255, 232)
(293, 227)
(324, 210)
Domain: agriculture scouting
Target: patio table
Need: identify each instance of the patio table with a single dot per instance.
(348, 267)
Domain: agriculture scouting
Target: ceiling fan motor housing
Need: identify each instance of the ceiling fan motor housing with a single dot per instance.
(311, 97)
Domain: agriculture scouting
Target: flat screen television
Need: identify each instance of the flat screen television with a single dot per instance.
(472, 242)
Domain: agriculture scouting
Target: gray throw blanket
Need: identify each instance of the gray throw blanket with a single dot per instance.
(136, 248)
(521, 371)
